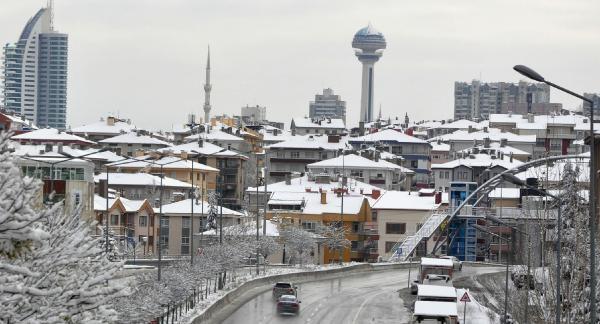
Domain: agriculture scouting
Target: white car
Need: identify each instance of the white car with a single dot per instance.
(456, 263)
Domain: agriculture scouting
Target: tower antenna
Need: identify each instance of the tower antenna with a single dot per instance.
(50, 7)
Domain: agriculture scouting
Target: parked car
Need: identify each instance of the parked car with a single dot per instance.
(288, 305)
(284, 288)
(456, 263)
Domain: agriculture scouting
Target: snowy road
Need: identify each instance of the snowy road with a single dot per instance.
(362, 298)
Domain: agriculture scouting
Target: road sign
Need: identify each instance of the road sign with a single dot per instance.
(465, 298)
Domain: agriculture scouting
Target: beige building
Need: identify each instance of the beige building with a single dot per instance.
(399, 214)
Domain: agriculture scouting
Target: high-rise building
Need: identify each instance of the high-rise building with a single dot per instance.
(254, 114)
(207, 88)
(369, 44)
(326, 105)
(480, 99)
(35, 72)
(586, 105)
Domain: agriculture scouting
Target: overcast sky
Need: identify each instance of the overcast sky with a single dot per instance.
(145, 60)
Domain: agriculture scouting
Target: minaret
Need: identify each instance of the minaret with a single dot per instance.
(207, 88)
(369, 44)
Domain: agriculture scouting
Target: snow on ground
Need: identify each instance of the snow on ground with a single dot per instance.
(476, 313)
(248, 274)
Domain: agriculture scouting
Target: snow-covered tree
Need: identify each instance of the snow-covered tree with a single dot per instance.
(213, 212)
(51, 268)
(299, 241)
(334, 237)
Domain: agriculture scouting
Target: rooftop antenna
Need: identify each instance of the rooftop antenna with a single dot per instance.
(50, 7)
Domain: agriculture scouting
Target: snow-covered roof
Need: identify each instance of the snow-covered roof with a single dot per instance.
(494, 134)
(100, 203)
(132, 205)
(185, 207)
(312, 202)
(134, 138)
(506, 118)
(140, 179)
(301, 184)
(440, 147)
(505, 193)
(479, 160)
(458, 124)
(50, 134)
(555, 172)
(312, 141)
(206, 149)
(35, 149)
(20, 120)
(169, 162)
(271, 229)
(353, 161)
(326, 123)
(404, 200)
(387, 135)
(432, 308)
(496, 147)
(436, 291)
(436, 262)
(103, 128)
(215, 134)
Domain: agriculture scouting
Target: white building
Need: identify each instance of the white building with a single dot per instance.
(399, 214)
(304, 126)
(380, 173)
(127, 144)
(254, 114)
(104, 129)
(327, 105)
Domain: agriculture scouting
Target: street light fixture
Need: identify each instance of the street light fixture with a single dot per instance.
(530, 73)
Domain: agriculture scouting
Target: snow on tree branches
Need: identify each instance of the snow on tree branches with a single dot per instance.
(51, 268)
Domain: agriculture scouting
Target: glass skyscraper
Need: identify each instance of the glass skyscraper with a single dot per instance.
(35, 73)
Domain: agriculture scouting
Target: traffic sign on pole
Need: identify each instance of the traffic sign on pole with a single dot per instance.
(465, 299)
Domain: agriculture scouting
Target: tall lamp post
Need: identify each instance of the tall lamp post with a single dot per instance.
(530, 73)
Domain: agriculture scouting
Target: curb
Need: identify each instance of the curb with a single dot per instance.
(234, 299)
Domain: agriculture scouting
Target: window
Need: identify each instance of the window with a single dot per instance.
(114, 219)
(185, 222)
(355, 227)
(309, 226)
(373, 215)
(164, 222)
(295, 155)
(143, 220)
(354, 245)
(389, 246)
(414, 164)
(395, 228)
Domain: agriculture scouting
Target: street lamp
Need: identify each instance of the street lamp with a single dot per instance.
(483, 229)
(530, 73)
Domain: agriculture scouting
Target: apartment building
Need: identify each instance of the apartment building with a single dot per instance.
(327, 105)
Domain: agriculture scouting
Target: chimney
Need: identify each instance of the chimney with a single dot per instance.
(294, 131)
(375, 193)
(288, 179)
(200, 141)
(102, 184)
(333, 138)
(361, 128)
(486, 142)
(48, 147)
(485, 129)
(471, 130)
(361, 190)
(110, 121)
(530, 118)
(503, 142)
(511, 157)
(323, 198)
(59, 148)
(438, 197)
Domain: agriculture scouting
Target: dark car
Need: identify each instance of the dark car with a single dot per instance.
(284, 288)
(288, 305)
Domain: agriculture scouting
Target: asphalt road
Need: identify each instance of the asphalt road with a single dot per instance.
(362, 298)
